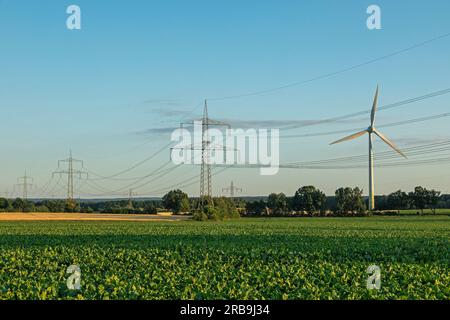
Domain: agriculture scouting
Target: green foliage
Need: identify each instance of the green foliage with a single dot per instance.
(398, 200)
(185, 205)
(175, 200)
(256, 208)
(350, 200)
(19, 205)
(422, 198)
(4, 204)
(217, 209)
(149, 208)
(309, 199)
(312, 258)
(277, 203)
(200, 215)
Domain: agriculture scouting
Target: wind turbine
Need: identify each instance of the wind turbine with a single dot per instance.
(371, 130)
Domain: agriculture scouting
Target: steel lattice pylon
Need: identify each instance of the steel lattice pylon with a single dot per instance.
(70, 172)
(205, 175)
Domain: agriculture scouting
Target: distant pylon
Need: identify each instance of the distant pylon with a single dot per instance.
(205, 174)
(70, 174)
(232, 189)
(130, 198)
(24, 184)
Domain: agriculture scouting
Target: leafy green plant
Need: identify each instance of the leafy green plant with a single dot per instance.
(261, 258)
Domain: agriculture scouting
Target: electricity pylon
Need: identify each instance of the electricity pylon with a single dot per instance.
(205, 173)
(206, 147)
(24, 185)
(130, 198)
(232, 189)
(71, 172)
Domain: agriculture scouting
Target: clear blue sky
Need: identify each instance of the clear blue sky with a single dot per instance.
(137, 66)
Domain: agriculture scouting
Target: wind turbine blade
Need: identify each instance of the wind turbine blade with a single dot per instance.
(388, 142)
(374, 108)
(353, 136)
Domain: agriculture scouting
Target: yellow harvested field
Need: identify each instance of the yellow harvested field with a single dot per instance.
(45, 216)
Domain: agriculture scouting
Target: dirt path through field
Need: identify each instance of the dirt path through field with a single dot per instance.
(37, 216)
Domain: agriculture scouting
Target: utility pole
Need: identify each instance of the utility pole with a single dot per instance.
(205, 173)
(70, 172)
(205, 148)
(24, 184)
(232, 189)
(130, 198)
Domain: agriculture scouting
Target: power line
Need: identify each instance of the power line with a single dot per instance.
(352, 161)
(331, 74)
(385, 107)
(159, 172)
(410, 151)
(135, 165)
(393, 124)
(381, 165)
(186, 183)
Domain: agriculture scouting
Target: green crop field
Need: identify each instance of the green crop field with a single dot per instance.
(426, 212)
(290, 258)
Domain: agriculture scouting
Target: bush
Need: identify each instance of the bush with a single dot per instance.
(200, 216)
(217, 209)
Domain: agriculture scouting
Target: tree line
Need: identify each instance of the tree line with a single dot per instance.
(57, 205)
(307, 200)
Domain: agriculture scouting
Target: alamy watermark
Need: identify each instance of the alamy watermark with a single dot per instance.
(74, 280)
(374, 279)
(374, 20)
(73, 21)
(258, 147)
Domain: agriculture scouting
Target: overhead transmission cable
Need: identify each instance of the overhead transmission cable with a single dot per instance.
(393, 124)
(385, 107)
(186, 183)
(135, 165)
(334, 73)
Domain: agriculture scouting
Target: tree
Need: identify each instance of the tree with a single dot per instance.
(29, 206)
(72, 206)
(277, 203)
(308, 199)
(419, 198)
(4, 204)
(18, 205)
(398, 200)
(423, 198)
(350, 200)
(173, 200)
(54, 205)
(226, 208)
(149, 208)
(41, 208)
(217, 209)
(433, 199)
(255, 208)
(185, 205)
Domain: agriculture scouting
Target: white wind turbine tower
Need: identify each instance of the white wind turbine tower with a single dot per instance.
(370, 130)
